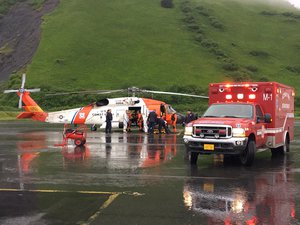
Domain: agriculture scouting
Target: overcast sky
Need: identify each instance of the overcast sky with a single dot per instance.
(296, 3)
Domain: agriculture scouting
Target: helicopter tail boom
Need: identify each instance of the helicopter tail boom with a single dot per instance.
(33, 110)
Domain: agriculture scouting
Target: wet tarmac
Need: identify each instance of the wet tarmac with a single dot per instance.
(138, 179)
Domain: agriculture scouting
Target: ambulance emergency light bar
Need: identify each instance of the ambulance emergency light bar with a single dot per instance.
(239, 96)
(241, 91)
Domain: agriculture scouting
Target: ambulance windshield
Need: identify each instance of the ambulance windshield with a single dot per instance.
(230, 111)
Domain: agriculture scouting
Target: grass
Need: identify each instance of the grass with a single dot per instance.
(126, 43)
(8, 115)
(98, 44)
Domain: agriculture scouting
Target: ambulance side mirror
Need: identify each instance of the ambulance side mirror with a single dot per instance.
(268, 118)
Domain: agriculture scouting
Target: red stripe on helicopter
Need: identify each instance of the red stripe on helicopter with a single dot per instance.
(82, 114)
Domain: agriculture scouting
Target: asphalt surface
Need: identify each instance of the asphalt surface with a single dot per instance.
(135, 178)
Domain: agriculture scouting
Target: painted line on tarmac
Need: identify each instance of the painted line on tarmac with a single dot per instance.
(56, 191)
(66, 191)
(110, 199)
(91, 219)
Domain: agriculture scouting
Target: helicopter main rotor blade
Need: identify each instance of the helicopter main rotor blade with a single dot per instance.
(9, 91)
(86, 92)
(108, 92)
(33, 90)
(175, 93)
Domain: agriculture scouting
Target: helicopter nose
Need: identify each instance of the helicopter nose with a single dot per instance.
(180, 118)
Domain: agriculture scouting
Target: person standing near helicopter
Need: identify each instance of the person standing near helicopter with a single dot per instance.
(174, 121)
(151, 120)
(108, 120)
(140, 120)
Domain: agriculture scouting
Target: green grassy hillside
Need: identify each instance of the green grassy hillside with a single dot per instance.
(98, 44)
(112, 44)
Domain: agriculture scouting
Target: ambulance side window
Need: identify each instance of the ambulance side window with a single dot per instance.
(259, 114)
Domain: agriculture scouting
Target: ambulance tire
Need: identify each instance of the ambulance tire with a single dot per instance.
(282, 150)
(193, 158)
(275, 152)
(286, 147)
(247, 157)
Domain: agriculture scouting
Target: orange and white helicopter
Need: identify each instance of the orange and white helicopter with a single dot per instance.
(95, 113)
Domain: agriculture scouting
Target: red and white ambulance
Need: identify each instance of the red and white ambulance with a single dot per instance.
(242, 119)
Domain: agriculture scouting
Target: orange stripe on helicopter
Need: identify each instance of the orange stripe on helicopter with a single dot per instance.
(33, 111)
(153, 104)
(30, 104)
(82, 115)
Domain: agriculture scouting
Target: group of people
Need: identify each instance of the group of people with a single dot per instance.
(132, 118)
(152, 120)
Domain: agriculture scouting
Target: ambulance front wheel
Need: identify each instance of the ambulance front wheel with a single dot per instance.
(247, 156)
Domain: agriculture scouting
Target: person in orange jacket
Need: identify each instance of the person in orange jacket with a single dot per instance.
(140, 120)
(129, 115)
(174, 121)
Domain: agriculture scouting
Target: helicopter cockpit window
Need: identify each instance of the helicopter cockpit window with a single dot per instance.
(170, 109)
(102, 102)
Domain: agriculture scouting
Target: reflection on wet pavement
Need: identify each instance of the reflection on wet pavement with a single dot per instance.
(140, 179)
(267, 197)
(128, 150)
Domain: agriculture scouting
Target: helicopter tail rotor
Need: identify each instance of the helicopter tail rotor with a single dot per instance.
(22, 90)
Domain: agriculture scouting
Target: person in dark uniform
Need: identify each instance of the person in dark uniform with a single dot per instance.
(162, 124)
(189, 117)
(108, 121)
(152, 117)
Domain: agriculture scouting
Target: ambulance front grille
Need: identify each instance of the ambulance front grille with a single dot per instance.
(213, 132)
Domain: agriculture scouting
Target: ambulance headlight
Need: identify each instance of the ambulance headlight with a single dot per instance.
(188, 131)
(238, 205)
(238, 132)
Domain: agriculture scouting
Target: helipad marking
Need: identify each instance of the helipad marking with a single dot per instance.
(111, 198)
(60, 191)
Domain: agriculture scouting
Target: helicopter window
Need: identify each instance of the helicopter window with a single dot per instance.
(102, 102)
(170, 110)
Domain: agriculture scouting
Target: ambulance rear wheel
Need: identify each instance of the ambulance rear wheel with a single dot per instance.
(282, 150)
(286, 147)
(78, 142)
(193, 158)
(247, 156)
